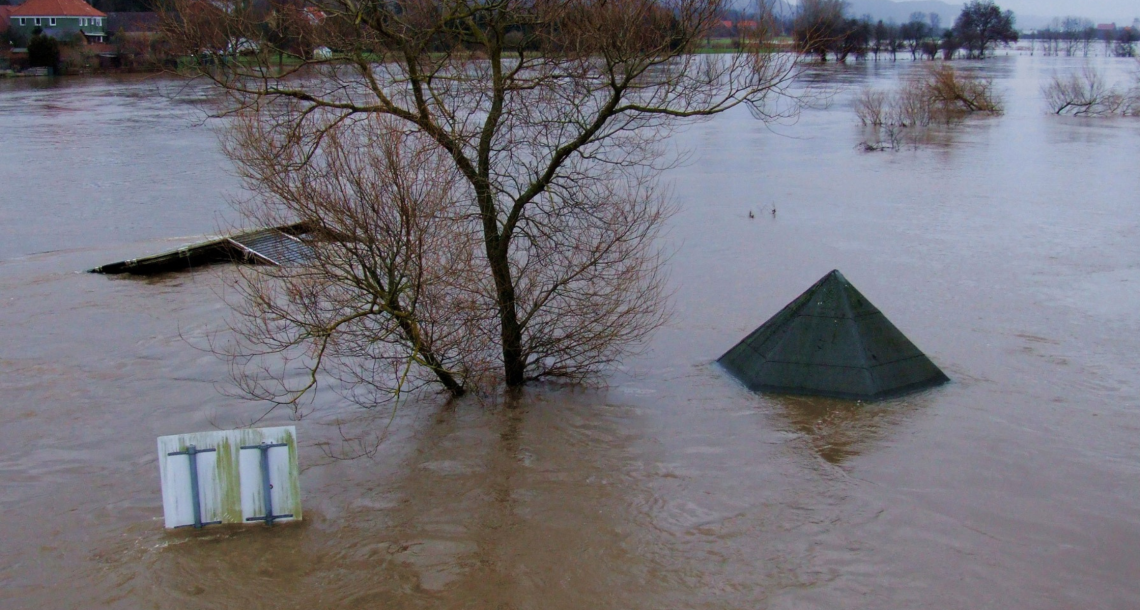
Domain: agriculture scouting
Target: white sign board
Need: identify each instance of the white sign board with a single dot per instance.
(230, 476)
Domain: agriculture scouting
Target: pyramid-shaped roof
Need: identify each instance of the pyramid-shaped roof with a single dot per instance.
(831, 341)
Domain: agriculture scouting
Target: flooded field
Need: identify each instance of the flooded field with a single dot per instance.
(1008, 252)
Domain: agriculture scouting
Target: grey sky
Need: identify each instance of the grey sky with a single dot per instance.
(1119, 10)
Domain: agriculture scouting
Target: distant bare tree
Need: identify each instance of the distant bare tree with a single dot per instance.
(871, 106)
(953, 93)
(1087, 93)
(914, 33)
(820, 27)
(930, 49)
(1071, 27)
(482, 177)
(886, 116)
(950, 45)
(941, 95)
(981, 25)
(1126, 42)
(1088, 35)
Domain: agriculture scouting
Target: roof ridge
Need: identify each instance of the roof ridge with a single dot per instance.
(56, 8)
(856, 327)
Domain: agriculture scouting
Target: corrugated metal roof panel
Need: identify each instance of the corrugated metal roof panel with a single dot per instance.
(274, 246)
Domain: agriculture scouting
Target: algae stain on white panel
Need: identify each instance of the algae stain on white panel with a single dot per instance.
(229, 478)
(284, 490)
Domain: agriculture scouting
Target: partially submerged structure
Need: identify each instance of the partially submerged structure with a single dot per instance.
(831, 341)
(269, 246)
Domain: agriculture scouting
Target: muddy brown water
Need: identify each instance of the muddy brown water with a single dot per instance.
(1008, 251)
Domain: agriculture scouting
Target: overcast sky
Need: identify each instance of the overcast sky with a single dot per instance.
(1118, 10)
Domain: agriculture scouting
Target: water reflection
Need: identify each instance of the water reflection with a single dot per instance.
(841, 429)
(941, 138)
(484, 505)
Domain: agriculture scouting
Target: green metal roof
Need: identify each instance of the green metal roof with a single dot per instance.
(831, 341)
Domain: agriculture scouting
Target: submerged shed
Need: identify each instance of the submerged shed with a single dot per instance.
(267, 246)
(831, 341)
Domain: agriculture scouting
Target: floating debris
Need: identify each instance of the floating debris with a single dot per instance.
(281, 245)
(831, 341)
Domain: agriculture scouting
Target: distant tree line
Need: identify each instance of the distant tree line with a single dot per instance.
(823, 29)
(1072, 36)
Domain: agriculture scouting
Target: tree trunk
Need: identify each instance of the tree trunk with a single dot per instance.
(514, 361)
(412, 332)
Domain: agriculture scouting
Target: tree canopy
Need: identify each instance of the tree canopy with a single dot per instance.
(981, 25)
(43, 52)
(821, 27)
(480, 177)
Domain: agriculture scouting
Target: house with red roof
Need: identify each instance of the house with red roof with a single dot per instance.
(60, 19)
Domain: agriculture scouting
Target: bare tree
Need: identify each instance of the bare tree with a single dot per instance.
(1087, 93)
(955, 94)
(820, 26)
(941, 94)
(871, 107)
(534, 231)
(981, 25)
(1126, 42)
(914, 33)
(1088, 35)
(379, 303)
(1070, 32)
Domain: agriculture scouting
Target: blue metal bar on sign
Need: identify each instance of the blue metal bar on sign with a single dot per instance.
(192, 453)
(266, 485)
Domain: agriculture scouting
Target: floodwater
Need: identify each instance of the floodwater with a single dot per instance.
(1008, 252)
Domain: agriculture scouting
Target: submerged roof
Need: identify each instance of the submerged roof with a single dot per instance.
(283, 245)
(831, 341)
(56, 8)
